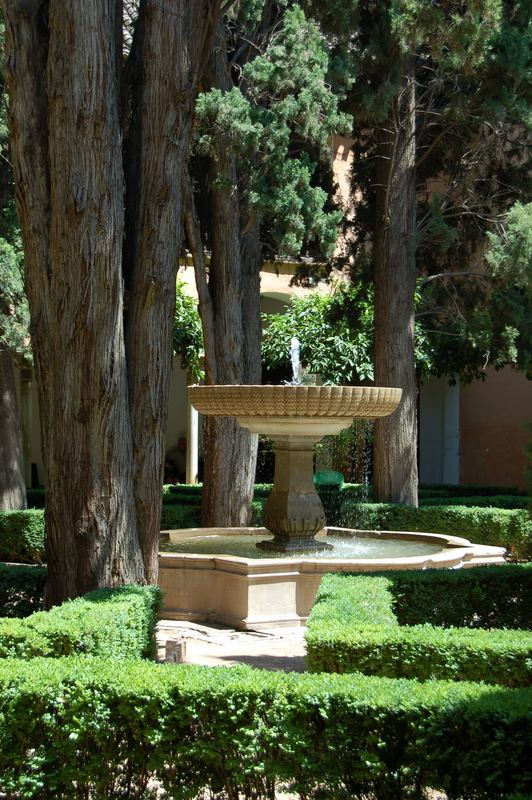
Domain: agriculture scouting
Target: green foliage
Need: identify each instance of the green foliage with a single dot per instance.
(114, 623)
(480, 597)
(22, 536)
(424, 652)
(21, 590)
(335, 332)
(174, 517)
(509, 252)
(466, 490)
(492, 501)
(240, 732)
(14, 311)
(188, 334)
(343, 636)
(277, 123)
(35, 497)
(509, 528)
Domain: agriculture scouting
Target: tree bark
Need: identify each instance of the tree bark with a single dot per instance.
(103, 392)
(12, 483)
(70, 203)
(165, 90)
(395, 474)
(233, 303)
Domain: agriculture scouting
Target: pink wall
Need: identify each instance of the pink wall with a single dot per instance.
(493, 418)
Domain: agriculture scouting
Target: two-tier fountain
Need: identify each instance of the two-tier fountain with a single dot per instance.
(240, 577)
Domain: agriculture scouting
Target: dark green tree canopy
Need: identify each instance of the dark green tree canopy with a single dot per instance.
(277, 121)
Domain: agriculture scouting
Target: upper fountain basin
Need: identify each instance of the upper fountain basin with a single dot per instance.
(365, 402)
(295, 409)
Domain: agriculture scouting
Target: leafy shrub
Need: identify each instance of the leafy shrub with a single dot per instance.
(21, 590)
(178, 516)
(22, 536)
(117, 623)
(491, 501)
(467, 490)
(174, 493)
(344, 635)
(35, 497)
(480, 597)
(242, 730)
(511, 529)
(425, 652)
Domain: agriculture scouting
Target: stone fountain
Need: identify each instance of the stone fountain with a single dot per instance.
(295, 418)
(219, 575)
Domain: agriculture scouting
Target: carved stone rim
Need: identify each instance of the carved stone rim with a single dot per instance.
(295, 401)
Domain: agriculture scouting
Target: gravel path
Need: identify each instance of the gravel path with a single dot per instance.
(214, 645)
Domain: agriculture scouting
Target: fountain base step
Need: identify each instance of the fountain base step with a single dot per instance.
(255, 594)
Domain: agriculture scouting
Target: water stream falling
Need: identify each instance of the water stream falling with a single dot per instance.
(295, 353)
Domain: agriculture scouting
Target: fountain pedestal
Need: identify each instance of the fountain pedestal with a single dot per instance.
(294, 512)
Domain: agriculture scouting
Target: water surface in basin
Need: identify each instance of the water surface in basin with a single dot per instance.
(343, 547)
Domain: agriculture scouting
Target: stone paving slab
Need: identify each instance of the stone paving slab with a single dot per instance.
(214, 645)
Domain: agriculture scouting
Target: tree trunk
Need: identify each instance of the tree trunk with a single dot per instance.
(70, 203)
(12, 484)
(103, 394)
(161, 127)
(395, 475)
(233, 306)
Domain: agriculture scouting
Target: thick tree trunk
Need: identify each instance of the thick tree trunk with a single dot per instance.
(103, 396)
(161, 126)
(233, 306)
(12, 484)
(73, 243)
(395, 475)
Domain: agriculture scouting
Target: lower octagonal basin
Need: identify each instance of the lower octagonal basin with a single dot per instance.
(218, 574)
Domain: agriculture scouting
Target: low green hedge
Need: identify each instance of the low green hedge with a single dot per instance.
(424, 652)
(180, 516)
(353, 627)
(22, 536)
(83, 728)
(35, 497)
(21, 590)
(511, 529)
(468, 489)
(117, 623)
(490, 501)
(480, 597)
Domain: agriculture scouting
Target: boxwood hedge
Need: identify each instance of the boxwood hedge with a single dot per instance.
(22, 536)
(354, 627)
(80, 727)
(21, 589)
(108, 622)
(507, 528)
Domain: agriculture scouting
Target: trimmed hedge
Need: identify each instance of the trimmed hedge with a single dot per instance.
(21, 589)
(490, 501)
(117, 623)
(35, 497)
(469, 489)
(511, 529)
(22, 536)
(344, 635)
(424, 652)
(243, 730)
(479, 597)
(180, 516)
